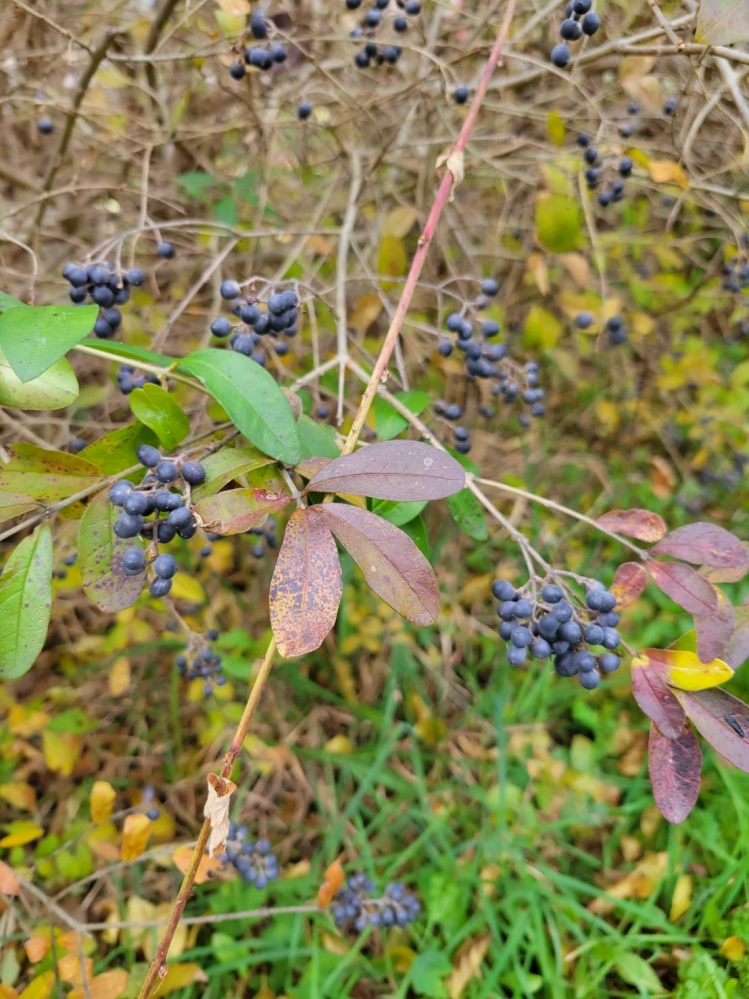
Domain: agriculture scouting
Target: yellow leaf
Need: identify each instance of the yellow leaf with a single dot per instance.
(101, 800)
(7, 992)
(61, 751)
(578, 268)
(402, 958)
(539, 270)
(138, 910)
(109, 985)
(668, 172)
(230, 24)
(21, 833)
(555, 129)
(182, 857)
(639, 883)
(19, 794)
(467, 964)
(9, 883)
(36, 947)
(119, 676)
(69, 969)
(135, 835)
(187, 588)
(685, 671)
(364, 313)
(40, 988)
(732, 948)
(391, 259)
(340, 745)
(682, 897)
(399, 222)
(235, 6)
(25, 722)
(179, 976)
(150, 940)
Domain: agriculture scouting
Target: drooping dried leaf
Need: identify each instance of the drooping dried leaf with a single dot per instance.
(467, 964)
(704, 544)
(629, 581)
(71, 970)
(392, 564)
(639, 883)
(674, 766)
(101, 800)
(736, 651)
(714, 630)
(685, 586)
(393, 470)
(207, 865)
(306, 587)
(683, 669)
(135, 835)
(9, 883)
(644, 525)
(216, 810)
(332, 884)
(237, 510)
(655, 699)
(722, 720)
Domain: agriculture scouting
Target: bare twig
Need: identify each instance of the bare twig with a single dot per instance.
(344, 240)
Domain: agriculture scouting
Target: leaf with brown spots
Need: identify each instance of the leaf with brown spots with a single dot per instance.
(629, 581)
(100, 554)
(392, 470)
(306, 587)
(237, 510)
(46, 475)
(392, 564)
(704, 544)
(655, 698)
(25, 603)
(641, 524)
(685, 587)
(674, 766)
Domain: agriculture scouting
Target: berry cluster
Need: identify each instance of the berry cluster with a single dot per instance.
(203, 665)
(735, 276)
(281, 317)
(253, 859)
(107, 287)
(614, 327)
(372, 53)
(353, 908)
(553, 627)
(573, 28)
(151, 498)
(596, 170)
(127, 379)
(259, 56)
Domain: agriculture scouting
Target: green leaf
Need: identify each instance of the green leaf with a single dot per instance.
(636, 971)
(388, 421)
(134, 354)
(558, 222)
(33, 338)
(317, 439)
(722, 22)
(74, 720)
(247, 186)
(416, 529)
(225, 466)
(251, 397)
(9, 302)
(398, 513)
(46, 475)
(196, 184)
(392, 260)
(157, 409)
(55, 389)
(14, 504)
(100, 554)
(542, 328)
(555, 128)
(468, 514)
(25, 603)
(225, 211)
(117, 451)
(427, 972)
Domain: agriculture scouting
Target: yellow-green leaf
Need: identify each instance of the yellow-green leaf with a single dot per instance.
(685, 671)
(555, 128)
(20, 833)
(558, 221)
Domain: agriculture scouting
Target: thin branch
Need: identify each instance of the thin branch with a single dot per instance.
(341, 270)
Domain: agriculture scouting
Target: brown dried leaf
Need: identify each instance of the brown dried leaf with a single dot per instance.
(392, 470)
(332, 884)
(182, 857)
(641, 524)
(36, 947)
(306, 587)
(237, 510)
(674, 766)
(216, 810)
(704, 544)
(467, 964)
(685, 586)
(668, 172)
(655, 698)
(392, 564)
(9, 883)
(108, 985)
(629, 581)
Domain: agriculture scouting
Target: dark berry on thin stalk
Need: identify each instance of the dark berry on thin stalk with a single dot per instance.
(148, 456)
(560, 56)
(165, 250)
(304, 110)
(193, 472)
(166, 471)
(165, 566)
(160, 587)
(460, 94)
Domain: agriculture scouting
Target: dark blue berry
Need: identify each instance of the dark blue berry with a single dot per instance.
(611, 638)
(133, 561)
(570, 30)
(490, 287)
(165, 566)
(516, 656)
(160, 587)
(166, 471)
(136, 503)
(304, 110)
(460, 94)
(193, 472)
(128, 525)
(591, 23)
(502, 590)
(570, 631)
(593, 634)
(523, 608)
(560, 56)
(229, 290)
(564, 665)
(562, 612)
(165, 250)
(148, 456)
(551, 593)
(608, 662)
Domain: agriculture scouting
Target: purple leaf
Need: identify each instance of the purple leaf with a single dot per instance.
(722, 720)
(685, 587)
(703, 544)
(641, 524)
(714, 630)
(656, 699)
(674, 766)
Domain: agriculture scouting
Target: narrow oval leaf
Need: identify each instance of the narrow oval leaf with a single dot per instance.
(155, 407)
(736, 651)
(25, 603)
(644, 525)
(655, 699)
(100, 554)
(14, 504)
(317, 439)
(722, 22)
(685, 587)
(674, 766)
(46, 475)
(55, 389)
(131, 353)
(226, 465)
(116, 451)
(251, 397)
(135, 834)
(391, 563)
(237, 510)
(392, 470)
(306, 587)
(684, 669)
(398, 514)
(558, 221)
(704, 544)
(722, 720)
(33, 338)
(713, 631)
(629, 581)
(468, 514)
